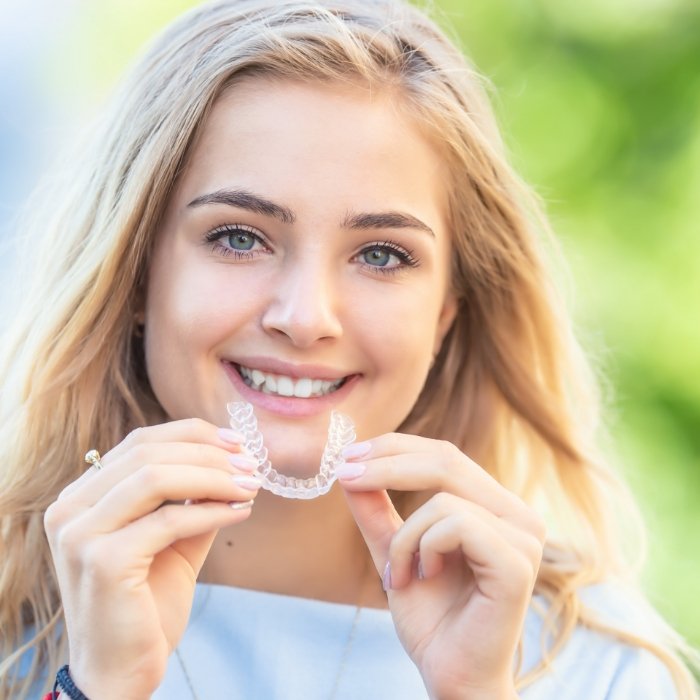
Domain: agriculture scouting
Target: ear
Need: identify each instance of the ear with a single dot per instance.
(139, 318)
(447, 316)
(139, 303)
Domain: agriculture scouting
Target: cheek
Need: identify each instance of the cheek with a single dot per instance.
(401, 325)
(195, 304)
(398, 335)
(187, 316)
(399, 364)
(177, 312)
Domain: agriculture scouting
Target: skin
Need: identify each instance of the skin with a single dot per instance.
(308, 293)
(309, 299)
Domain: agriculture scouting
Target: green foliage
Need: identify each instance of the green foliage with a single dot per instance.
(601, 109)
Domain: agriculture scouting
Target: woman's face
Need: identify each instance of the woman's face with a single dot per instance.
(302, 265)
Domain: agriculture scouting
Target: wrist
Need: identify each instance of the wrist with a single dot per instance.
(65, 686)
(507, 693)
(70, 685)
(478, 695)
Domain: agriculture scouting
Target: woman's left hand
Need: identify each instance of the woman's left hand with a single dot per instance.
(459, 572)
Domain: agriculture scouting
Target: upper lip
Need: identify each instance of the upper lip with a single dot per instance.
(273, 366)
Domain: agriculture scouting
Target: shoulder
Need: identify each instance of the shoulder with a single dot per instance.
(594, 664)
(640, 673)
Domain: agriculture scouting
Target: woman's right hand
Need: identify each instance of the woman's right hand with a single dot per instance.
(127, 550)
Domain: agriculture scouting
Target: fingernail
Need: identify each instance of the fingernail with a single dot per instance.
(357, 449)
(350, 471)
(229, 435)
(243, 462)
(386, 577)
(421, 573)
(247, 482)
(241, 505)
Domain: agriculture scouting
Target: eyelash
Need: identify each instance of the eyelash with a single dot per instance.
(214, 236)
(405, 256)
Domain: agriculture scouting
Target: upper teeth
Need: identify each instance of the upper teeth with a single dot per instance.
(287, 386)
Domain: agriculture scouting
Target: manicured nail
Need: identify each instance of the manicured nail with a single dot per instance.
(243, 462)
(350, 470)
(247, 482)
(241, 505)
(386, 577)
(356, 450)
(229, 435)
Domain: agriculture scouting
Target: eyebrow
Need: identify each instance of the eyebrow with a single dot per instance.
(244, 199)
(385, 219)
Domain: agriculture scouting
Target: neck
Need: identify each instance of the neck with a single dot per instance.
(302, 548)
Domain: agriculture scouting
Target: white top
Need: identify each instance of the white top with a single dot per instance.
(248, 645)
(252, 645)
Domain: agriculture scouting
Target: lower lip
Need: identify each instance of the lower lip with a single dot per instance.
(289, 405)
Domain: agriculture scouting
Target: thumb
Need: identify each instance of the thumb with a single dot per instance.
(377, 520)
(195, 549)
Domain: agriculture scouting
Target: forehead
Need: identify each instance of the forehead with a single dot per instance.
(334, 142)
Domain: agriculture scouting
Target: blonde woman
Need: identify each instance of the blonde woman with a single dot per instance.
(305, 206)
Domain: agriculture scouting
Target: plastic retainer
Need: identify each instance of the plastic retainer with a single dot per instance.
(341, 432)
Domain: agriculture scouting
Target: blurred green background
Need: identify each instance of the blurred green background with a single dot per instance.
(600, 107)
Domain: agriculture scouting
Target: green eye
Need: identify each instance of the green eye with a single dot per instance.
(378, 257)
(241, 240)
(386, 257)
(237, 241)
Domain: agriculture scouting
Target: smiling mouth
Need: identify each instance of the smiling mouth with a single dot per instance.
(282, 385)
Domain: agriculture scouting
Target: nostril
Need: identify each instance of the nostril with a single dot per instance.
(304, 312)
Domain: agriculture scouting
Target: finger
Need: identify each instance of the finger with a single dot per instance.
(150, 487)
(412, 463)
(93, 485)
(193, 430)
(386, 444)
(528, 550)
(405, 544)
(190, 430)
(500, 571)
(189, 528)
(196, 548)
(377, 520)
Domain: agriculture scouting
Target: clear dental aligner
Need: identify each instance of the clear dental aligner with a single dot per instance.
(341, 432)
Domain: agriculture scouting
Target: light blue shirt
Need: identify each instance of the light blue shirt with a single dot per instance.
(243, 644)
(248, 645)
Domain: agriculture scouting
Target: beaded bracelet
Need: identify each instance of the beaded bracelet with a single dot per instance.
(67, 687)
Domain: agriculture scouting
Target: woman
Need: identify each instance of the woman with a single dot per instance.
(306, 207)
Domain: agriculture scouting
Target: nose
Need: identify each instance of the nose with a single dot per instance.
(303, 305)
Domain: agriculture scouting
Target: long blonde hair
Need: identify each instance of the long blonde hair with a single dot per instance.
(509, 386)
